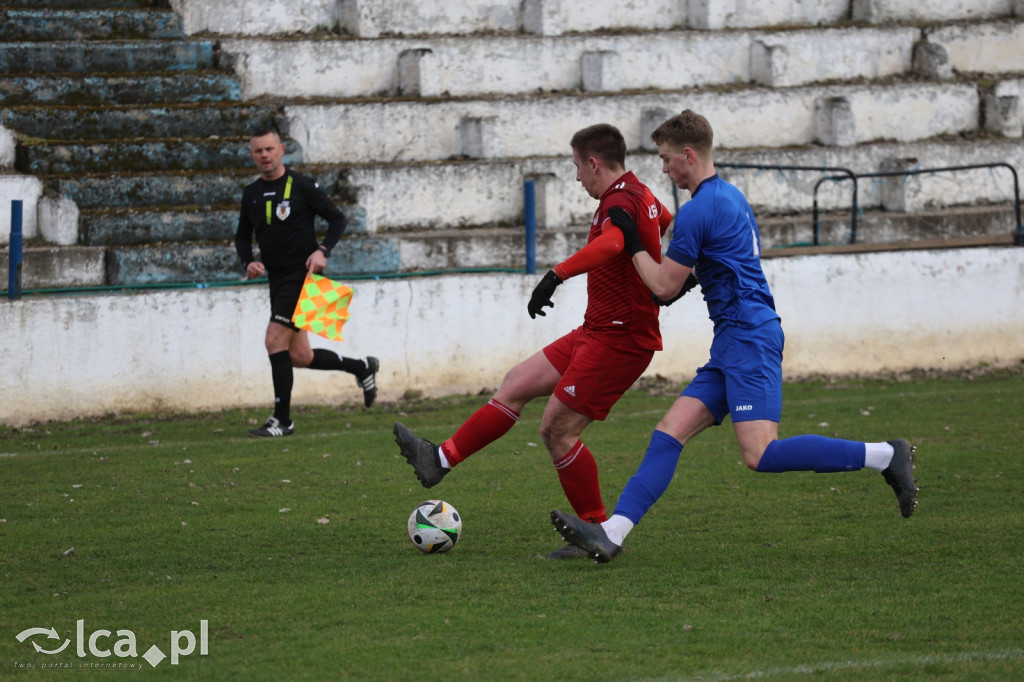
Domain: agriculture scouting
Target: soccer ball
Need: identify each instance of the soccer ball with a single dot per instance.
(434, 526)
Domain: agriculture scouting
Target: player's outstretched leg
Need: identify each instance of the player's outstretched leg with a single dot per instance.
(421, 454)
(587, 536)
(368, 381)
(900, 475)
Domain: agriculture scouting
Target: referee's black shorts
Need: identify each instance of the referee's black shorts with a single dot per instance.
(285, 288)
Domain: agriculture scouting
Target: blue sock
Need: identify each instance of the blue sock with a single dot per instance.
(812, 453)
(651, 478)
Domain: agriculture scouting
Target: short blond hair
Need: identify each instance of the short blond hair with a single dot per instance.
(687, 129)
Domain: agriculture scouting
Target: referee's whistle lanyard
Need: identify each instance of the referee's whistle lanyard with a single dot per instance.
(284, 209)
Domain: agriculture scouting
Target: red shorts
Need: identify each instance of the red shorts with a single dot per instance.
(596, 370)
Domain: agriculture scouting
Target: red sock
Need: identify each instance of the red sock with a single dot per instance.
(486, 425)
(577, 472)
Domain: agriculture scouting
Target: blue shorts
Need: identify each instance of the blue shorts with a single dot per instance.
(744, 375)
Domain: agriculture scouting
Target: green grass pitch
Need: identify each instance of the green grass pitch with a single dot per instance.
(292, 557)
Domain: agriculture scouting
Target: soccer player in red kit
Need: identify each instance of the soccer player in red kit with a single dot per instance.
(586, 371)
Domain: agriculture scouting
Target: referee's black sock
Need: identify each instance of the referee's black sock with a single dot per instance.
(325, 359)
(283, 378)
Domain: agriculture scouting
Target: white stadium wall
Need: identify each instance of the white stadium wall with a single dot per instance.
(202, 349)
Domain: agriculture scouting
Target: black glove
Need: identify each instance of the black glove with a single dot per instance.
(690, 283)
(542, 295)
(630, 236)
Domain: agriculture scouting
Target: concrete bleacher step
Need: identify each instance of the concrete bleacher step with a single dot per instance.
(429, 18)
(105, 122)
(151, 224)
(88, 4)
(511, 127)
(436, 159)
(156, 264)
(217, 262)
(139, 126)
(220, 189)
(495, 247)
(178, 188)
(97, 90)
(457, 194)
(481, 65)
(152, 154)
(473, 66)
(138, 56)
(95, 24)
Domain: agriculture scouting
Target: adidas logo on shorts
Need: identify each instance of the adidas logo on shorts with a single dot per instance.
(571, 390)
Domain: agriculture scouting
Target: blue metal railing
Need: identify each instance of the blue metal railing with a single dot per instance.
(530, 207)
(14, 268)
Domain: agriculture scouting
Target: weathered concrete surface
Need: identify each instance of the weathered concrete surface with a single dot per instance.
(56, 24)
(886, 11)
(449, 66)
(1004, 108)
(105, 122)
(50, 267)
(85, 57)
(473, 66)
(460, 194)
(372, 18)
(123, 89)
(842, 314)
(989, 47)
(392, 131)
(26, 189)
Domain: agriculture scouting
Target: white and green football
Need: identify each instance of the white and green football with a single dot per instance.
(434, 526)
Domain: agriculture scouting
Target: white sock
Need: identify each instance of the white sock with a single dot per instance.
(877, 456)
(444, 460)
(617, 528)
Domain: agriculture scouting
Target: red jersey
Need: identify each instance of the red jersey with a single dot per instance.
(618, 301)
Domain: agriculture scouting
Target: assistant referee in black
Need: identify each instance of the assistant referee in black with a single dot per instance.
(279, 209)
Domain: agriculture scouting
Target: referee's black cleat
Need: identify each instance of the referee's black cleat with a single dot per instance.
(590, 537)
(368, 381)
(272, 428)
(421, 454)
(900, 475)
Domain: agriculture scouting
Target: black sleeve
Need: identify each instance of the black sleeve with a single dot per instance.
(243, 234)
(320, 204)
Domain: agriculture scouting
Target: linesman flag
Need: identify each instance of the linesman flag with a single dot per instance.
(322, 307)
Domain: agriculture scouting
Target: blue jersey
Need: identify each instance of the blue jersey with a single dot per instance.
(715, 234)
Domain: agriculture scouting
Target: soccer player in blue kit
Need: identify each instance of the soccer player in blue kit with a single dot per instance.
(715, 241)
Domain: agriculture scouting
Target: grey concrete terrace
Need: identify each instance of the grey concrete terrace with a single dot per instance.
(372, 18)
(448, 66)
(427, 139)
(389, 131)
(103, 57)
(55, 24)
(445, 66)
(96, 90)
(430, 197)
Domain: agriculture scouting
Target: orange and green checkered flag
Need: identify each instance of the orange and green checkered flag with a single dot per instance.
(322, 307)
